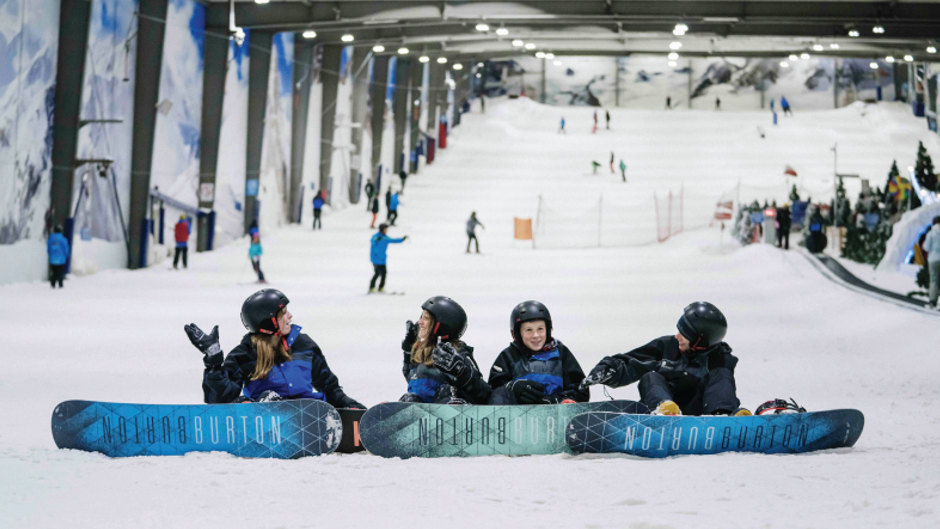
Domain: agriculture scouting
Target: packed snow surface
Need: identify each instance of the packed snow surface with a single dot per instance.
(118, 336)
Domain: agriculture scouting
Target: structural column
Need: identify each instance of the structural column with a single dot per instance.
(259, 60)
(401, 110)
(150, 31)
(435, 85)
(360, 99)
(213, 91)
(303, 78)
(414, 112)
(377, 94)
(329, 75)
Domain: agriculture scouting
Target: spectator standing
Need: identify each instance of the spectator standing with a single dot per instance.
(472, 223)
(182, 241)
(317, 209)
(403, 175)
(374, 209)
(607, 118)
(668, 102)
(370, 192)
(58, 248)
(783, 227)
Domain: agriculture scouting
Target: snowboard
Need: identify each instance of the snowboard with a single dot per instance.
(404, 429)
(284, 429)
(663, 436)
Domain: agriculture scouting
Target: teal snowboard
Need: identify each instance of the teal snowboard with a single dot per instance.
(402, 429)
(284, 429)
(663, 436)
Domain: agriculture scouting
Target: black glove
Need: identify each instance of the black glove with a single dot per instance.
(452, 364)
(557, 398)
(411, 334)
(207, 343)
(352, 404)
(602, 373)
(269, 396)
(527, 391)
(403, 239)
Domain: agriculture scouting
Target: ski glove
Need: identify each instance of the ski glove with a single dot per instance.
(207, 343)
(527, 391)
(602, 373)
(453, 365)
(269, 396)
(352, 404)
(558, 398)
(411, 334)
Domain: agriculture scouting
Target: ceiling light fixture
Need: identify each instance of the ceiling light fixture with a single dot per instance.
(804, 56)
(680, 29)
(378, 48)
(262, 1)
(672, 64)
(424, 58)
(347, 37)
(784, 64)
(817, 47)
(794, 57)
(517, 43)
(457, 66)
(675, 45)
(873, 65)
(879, 29)
(853, 33)
(502, 32)
(442, 60)
(834, 46)
(529, 45)
(889, 59)
(540, 55)
(931, 49)
(549, 55)
(557, 63)
(482, 27)
(403, 51)
(673, 56)
(309, 34)
(908, 58)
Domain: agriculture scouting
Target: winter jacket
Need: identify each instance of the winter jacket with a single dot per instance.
(687, 376)
(375, 205)
(393, 203)
(318, 202)
(424, 380)
(58, 247)
(472, 223)
(554, 366)
(305, 376)
(380, 244)
(255, 250)
(932, 245)
(182, 233)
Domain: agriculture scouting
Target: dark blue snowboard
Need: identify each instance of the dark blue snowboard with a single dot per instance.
(662, 436)
(285, 429)
(402, 429)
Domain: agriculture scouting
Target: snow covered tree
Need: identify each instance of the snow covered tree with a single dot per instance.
(794, 194)
(743, 229)
(841, 209)
(924, 170)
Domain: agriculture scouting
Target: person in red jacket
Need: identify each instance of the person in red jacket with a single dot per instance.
(182, 241)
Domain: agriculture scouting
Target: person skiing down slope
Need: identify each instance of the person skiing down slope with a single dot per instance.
(438, 366)
(691, 373)
(535, 368)
(378, 254)
(274, 360)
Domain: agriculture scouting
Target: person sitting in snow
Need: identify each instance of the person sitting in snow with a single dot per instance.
(274, 360)
(691, 373)
(438, 366)
(535, 368)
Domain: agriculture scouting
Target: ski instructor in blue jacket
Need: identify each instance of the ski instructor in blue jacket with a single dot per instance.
(274, 361)
(380, 242)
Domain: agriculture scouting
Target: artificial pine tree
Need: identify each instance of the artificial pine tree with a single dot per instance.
(841, 211)
(794, 194)
(923, 169)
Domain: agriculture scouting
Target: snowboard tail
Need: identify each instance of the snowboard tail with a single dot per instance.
(663, 436)
(283, 429)
(402, 429)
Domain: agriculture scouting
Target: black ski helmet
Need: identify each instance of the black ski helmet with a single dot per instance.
(450, 318)
(529, 311)
(259, 311)
(702, 324)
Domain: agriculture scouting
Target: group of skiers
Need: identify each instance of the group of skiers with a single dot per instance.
(691, 372)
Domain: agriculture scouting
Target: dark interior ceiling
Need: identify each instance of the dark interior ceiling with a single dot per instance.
(598, 27)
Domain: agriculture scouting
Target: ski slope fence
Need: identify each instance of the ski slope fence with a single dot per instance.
(612, 219)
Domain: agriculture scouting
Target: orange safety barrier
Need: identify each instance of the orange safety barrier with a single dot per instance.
(522, 229)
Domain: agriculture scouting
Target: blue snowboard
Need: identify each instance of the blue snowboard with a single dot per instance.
(662, 436)
(402, 429)
(285, 429)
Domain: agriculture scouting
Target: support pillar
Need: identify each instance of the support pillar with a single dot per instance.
(329, 76)
(259, 60)
(360, 99)
(414, 113)
(401, 111)
(377, 94)
(215, 64)
(303, 79)
(150, 31)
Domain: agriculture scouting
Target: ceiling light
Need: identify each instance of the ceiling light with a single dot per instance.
(458, 66)
(853, 33)
(675, 45)
(403, 51)
(502, 32)
(378, 48)
(517, 43)
(889, 59)
(442, 60)
(540, 55)
(680, 29)
(480, 65)
(784, 64)
(347, 37)
(931, 49)
(557, 63)
(530, 46)
(804, 56)
(794, 57)
(672, 56)
(873, 65)
(262, 1)
(424, 58)
(483, 27)
(672, 64)
(309, 34)
(817, 47)
(834, 46)
(908, 58)
(879, 29)
(549, 55)
(479, 76)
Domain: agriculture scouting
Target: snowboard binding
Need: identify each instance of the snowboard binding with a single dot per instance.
(778, 406)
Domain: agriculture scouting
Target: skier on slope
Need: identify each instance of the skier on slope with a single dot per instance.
(274, 360)
(691, 373)
(535, 368)
(378, 254)
(438, 366)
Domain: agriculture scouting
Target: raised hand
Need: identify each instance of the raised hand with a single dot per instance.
(411, 334)
(207, 343)
(602, 373)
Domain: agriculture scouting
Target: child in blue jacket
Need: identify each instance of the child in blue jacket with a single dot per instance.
(379, 247)
(58, 247)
